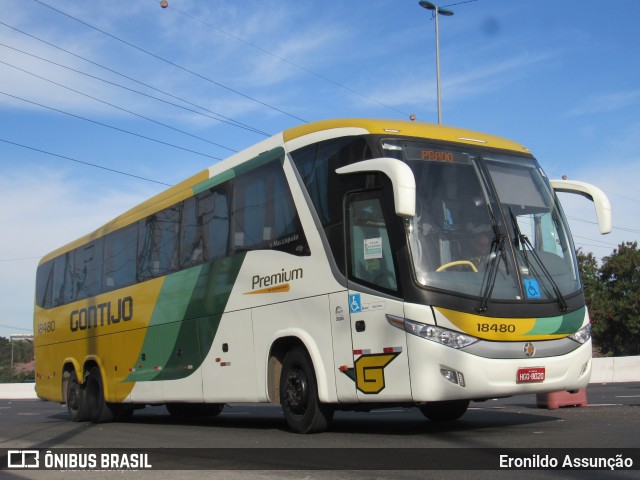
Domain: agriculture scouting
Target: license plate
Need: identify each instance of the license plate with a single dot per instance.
(530, 375)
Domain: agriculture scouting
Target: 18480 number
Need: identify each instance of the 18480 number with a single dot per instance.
(46, 327)
(496, 327)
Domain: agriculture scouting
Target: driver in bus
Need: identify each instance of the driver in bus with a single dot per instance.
(480, 244)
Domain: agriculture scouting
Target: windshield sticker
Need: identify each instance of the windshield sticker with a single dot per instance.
(532, 288)
(372, 248)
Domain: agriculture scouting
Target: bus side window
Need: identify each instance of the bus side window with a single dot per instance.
(263, 213)
(205, 228)
(44, 285)
(370, 250)
(192, 247)
(88, 271)
(120, 258)
(158, 236)
(63, 281)
(316, 165)
(215, 218)
(249, 203)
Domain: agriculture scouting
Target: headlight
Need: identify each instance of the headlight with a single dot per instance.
(583, 335)
(440, 335)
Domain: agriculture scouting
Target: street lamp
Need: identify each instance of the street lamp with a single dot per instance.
(447, 13)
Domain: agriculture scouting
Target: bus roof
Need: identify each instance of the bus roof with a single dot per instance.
(183, 189)
(407, 128)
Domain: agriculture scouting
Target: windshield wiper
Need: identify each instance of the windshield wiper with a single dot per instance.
(522, 239)
(490, 277)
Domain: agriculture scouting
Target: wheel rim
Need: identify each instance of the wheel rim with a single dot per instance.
(297, 392)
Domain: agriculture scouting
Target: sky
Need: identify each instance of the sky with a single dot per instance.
(105, 103)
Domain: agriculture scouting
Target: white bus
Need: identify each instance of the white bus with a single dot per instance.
(344, 264)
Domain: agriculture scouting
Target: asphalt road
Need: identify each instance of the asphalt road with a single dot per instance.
(402, 438)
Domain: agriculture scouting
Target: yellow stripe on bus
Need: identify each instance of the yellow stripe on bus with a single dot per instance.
(496, 328)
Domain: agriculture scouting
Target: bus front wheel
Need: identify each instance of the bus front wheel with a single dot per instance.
(444, 411)
(299, 395)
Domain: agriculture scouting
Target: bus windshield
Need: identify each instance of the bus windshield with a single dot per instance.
(486, 225)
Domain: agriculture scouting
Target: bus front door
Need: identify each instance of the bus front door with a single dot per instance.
(380, 369)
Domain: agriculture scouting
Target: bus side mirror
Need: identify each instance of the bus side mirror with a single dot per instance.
(597, 196)
(401, 176)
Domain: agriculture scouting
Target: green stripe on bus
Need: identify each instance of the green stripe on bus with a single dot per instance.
(571, 322)
(560, 325)
(202, 317)
(262, 159)
(185, 320)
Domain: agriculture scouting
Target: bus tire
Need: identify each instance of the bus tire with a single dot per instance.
(299, 395)
(76, 399)
(100, 410)
(446, 411)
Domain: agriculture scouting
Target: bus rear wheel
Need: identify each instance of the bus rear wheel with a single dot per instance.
(447, 411)
(76, 399)
(299, 395)
(100, 411)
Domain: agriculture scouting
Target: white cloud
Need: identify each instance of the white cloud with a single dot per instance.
(615, 170)
(43, 210)
(403, 89)
(605, 102)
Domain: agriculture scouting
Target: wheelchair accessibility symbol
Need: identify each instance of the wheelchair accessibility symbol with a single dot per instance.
(354, 303)
(532, 288)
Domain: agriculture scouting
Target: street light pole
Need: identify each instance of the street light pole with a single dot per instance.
(447, 13)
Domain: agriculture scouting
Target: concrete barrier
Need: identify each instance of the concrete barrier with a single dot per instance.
(615, 369)
(605, 370)
(17, 391)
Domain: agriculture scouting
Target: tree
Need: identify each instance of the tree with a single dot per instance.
(589, 272)
(613, 296)
(22, 355)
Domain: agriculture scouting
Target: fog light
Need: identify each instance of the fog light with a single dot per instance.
(453, 376)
